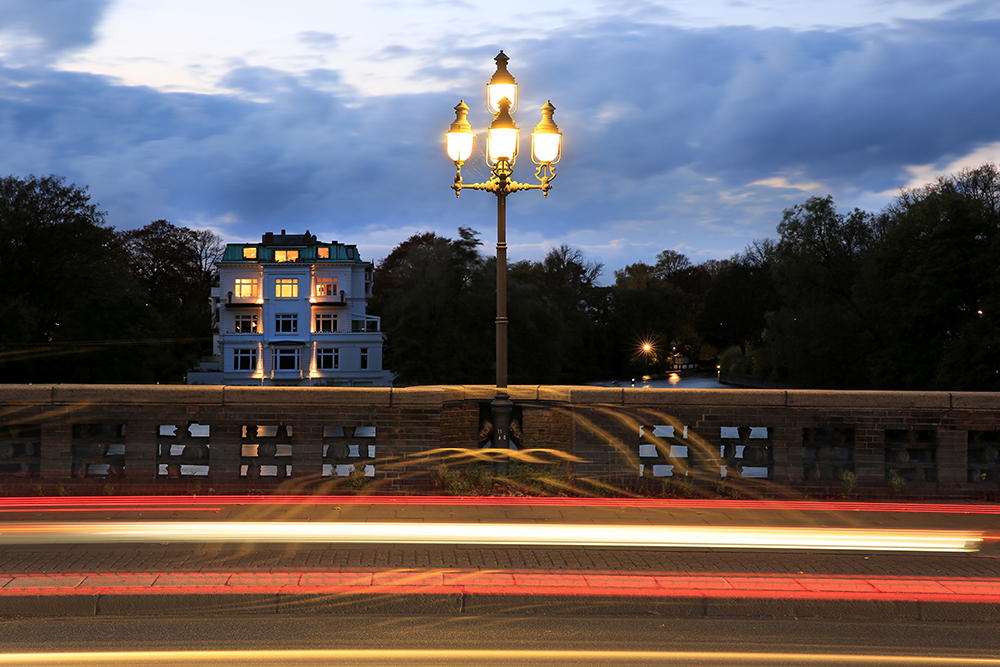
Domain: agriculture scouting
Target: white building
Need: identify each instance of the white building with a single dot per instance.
(291, 311)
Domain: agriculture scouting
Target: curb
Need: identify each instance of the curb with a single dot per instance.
(112, 605)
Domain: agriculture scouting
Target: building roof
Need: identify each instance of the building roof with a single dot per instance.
(307, 248)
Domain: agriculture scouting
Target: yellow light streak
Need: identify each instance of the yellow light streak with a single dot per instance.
(442, 658)
(584, 535)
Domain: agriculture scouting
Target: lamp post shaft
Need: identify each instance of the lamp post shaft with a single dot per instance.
(501, 293)
(501, 407)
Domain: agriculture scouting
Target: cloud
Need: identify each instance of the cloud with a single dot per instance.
(48, 28)
(319, 40)
(781, 183)
(393, 52)
(921, 175)
(664, 129)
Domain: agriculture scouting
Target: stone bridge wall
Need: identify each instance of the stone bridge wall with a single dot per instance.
(177, 439)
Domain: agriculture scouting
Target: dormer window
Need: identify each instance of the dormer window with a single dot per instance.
(286, 255)
(323, 253)
(249, 253)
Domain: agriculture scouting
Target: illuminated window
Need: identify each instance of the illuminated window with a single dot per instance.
(286, 288)
(286, 255)
(249, 253)
(245, 359)
(364, 358)
(246, 324)
(326, 322)
(328, 358)
(286, 323)
(323, 253)
(286, 359)
(246, 288)
(326, 286)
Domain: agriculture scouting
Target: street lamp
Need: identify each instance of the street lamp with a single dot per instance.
(501, 153)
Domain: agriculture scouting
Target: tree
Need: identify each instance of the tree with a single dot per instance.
(740, 295)
(432, 295)
(937, 274)
(645, 308)
(65, 290)
(166, 261)
(437, 299)
(556, 307)
(172, 266)
(822, 335)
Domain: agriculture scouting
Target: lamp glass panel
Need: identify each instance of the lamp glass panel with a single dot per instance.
(502, 143)
(460, 145)
(498, 91)
(545, 146)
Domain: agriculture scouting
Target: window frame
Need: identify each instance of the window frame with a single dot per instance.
(283, 353)
(286, 288)
(241, 355)
(329, 355)
(242, 318)
(281, 319)
(240, 290)
(327, 282)
(325, 317)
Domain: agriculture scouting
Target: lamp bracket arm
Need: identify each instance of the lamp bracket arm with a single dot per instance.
(491, 186)
(458, 186)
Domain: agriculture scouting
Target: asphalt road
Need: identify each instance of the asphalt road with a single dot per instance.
(442, 640)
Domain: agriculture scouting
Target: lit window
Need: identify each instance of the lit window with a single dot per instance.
(286, 255)
(323, 253)
(286, 358)
(245, 359)
(286, 288)
(246, 324)
(364, 358)
(246, 288)
(326, 287)
(249, 253)
(328, 358)
(326, 322)
(286, 323)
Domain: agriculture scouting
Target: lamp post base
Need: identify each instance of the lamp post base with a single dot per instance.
(501, 409)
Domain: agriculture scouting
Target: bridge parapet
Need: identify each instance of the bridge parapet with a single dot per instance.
(769, 442)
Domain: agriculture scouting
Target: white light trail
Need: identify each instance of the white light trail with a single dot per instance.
(576, 535)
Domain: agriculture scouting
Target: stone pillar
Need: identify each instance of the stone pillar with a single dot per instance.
(952, 457)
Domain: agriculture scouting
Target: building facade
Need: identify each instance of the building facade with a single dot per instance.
(291, 311)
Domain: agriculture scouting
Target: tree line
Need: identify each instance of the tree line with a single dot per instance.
(906, 298)
(82, 302)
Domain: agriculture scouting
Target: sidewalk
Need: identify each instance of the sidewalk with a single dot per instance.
(112, 579)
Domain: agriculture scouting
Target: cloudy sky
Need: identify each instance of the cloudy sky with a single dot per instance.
(688, 124)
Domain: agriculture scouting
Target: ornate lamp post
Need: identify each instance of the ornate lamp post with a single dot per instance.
(501, 153)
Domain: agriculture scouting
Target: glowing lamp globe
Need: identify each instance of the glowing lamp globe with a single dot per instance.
(460, 137)
(546, 140)
(501, 86)
(502, 138)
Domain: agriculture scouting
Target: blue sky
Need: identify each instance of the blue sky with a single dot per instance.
(688, 124)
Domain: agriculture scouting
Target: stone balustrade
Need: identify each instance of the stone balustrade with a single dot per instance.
(392, 440)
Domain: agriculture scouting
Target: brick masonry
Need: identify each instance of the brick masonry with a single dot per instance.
(125, 439)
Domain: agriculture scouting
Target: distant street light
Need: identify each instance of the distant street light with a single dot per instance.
(501, 153)
(647, 352)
